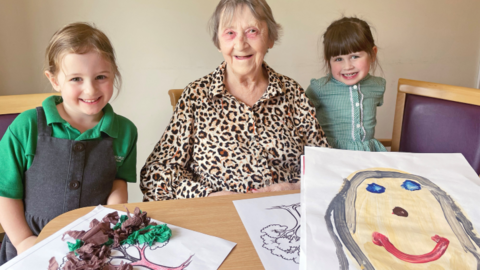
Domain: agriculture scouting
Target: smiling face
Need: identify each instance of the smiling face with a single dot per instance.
(401, 225)
(351, 68)
(243, 43)
(86, 84)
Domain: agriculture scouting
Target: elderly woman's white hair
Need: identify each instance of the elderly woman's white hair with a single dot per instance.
(259, 8)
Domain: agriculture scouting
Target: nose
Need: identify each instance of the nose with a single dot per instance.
(347, 64)
(89, 87)
(399, 211)
(240, 42)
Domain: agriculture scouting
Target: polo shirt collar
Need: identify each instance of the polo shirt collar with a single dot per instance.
(50, 108)
(107, 124)
(217, 87)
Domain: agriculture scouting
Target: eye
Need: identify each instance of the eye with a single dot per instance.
(252, 32)
(355, 56)
(101, 77)
(374, 188)
(337, 59)
(410, 185)
(76, 79)
(229, 34)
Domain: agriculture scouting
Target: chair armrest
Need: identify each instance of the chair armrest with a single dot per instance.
(385, 142)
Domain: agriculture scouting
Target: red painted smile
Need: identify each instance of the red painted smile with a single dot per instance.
(437, 252)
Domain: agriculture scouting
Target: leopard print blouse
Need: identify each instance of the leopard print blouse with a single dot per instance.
(215, 142)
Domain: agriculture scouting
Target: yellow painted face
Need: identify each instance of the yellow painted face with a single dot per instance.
(399, 224)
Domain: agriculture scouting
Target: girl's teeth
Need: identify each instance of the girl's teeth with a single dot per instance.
(90, 100)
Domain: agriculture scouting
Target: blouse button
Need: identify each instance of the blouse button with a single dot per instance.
(357, 104)
(355, 87)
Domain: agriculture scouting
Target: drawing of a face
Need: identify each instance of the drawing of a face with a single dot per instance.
(400, 221)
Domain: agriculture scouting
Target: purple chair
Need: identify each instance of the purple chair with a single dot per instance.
(437, 118)
(5, 121)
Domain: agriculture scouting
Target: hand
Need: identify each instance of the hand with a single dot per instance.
(221, 193)
(278, 187)
(26, 244)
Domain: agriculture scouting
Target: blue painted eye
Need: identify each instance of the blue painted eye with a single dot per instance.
(374, 188)
(410, 185)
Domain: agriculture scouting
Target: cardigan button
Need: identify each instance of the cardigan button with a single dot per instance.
(74, 184)
(78, 147)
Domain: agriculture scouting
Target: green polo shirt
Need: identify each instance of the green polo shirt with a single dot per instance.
(18, 145)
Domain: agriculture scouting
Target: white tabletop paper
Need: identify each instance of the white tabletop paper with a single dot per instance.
(191, 249)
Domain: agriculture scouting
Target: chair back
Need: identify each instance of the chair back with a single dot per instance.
(5, 121)
(11, 106)
(175, 95)
(437, 118)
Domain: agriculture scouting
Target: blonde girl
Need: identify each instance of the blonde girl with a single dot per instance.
(72, 152)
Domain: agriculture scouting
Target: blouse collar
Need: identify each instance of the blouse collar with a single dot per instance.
(217, 88)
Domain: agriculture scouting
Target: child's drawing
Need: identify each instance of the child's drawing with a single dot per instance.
(139, 257)
(185, 250)
(281, 240)
(273, 224)
(389, 219)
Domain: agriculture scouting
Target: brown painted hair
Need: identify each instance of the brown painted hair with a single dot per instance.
(348, 35)
(79, 38)
(259, 8)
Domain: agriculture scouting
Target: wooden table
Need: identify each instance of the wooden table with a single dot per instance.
(214, 216)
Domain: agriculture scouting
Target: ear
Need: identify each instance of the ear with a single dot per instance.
(53, 80)
(270, 43)
(375, 50)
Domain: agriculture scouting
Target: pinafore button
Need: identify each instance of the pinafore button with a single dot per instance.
(74, 184)
(78, 147)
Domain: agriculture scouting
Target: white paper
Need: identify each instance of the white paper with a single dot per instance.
(201, 250)
(273, 226)
(325, 171)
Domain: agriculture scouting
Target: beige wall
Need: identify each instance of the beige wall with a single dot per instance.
(164, 44)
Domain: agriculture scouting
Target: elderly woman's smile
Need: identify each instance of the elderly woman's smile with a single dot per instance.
(239, 57)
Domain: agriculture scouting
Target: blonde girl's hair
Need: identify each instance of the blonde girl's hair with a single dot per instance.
(348, 35)
(80, 38)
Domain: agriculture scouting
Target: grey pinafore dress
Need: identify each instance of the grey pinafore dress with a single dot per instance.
(65, 175)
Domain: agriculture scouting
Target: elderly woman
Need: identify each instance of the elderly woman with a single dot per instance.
(241, 128)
